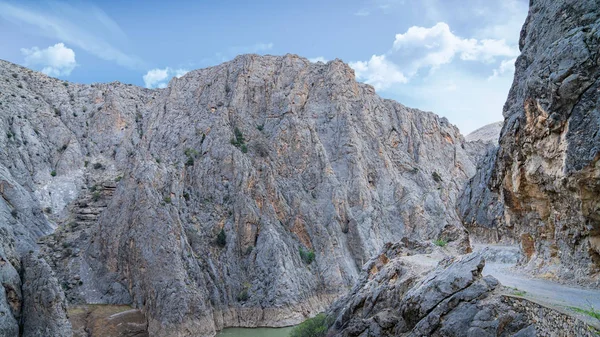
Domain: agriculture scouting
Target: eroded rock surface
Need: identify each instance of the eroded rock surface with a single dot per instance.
(398, 295)
(193, 202)
(44, 306)
(542, 186)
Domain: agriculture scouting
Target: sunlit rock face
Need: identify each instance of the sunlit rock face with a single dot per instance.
(193, 202)
(541, 188)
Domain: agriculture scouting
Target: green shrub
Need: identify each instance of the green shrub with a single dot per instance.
(186, 196)
(53, 173)
(307, 256)
(222, 238)
(440, 242)
(189, 161)
(9, 135)
(117, 179)
(239, 141)
(260, 127)
(436, 176)
(243, 296)
(591, 312)
(96, 196)
(97, 166)
(48, 210)
(167, 199)
(312, 327)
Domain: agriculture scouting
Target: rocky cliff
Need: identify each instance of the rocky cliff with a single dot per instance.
(245, 194)
(541, 187)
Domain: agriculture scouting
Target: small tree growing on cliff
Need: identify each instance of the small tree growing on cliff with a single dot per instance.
(307, 256)
(222, 238)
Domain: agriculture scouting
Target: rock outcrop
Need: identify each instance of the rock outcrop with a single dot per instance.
(44, 310)
(399, 295)
(245, 194)
(542, 186)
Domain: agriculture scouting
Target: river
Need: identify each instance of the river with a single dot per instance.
(255, 332)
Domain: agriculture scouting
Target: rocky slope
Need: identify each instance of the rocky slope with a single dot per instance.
(541, 187)
(487, 133)
(402, 292)
(245, 194)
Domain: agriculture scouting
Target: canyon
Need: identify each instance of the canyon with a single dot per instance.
(268, 189)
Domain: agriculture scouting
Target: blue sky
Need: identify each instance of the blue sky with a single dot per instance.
(455, 58)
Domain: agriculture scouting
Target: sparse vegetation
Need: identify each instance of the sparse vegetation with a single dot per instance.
(186, 196)
(222, 238)
(249, 250)
(117, 179)
(312, 327)
(440, 242)
(239, 141)
(48, 210)
(518, 292)
(191, 154)
(96, 196)
(590, 312)
(436, 176)
(14, 213)
(167, 199)
(57, 112)
(307, 256)
(97, 166)
(243, 296)
(53, 173)
(260, 127)
(9, 135)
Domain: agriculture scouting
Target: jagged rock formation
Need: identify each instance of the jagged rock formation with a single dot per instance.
(402, 292)
(542, 186)
(44, 306)
(192, 203)
(487, 133)
(398, 295)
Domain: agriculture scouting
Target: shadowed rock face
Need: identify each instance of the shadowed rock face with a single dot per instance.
(276, 153)
(542, 186)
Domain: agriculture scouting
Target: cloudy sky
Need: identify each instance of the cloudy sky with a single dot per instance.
(452, 57)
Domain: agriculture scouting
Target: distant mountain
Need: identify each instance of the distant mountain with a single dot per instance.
(487, 133)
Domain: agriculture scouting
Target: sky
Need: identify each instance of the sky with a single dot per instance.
(453, 57)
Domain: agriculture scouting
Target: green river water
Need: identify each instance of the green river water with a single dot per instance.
(255, 332)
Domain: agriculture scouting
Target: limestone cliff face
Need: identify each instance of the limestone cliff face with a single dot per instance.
(542, 187)
(193, 202)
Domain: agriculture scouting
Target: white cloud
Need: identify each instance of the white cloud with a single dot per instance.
(434, 69)
(86, 27)
(506, 67)
(433, 47)
(56, 60)
(159, 78)
(378, 72)
(318, 59)
(421, 48)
